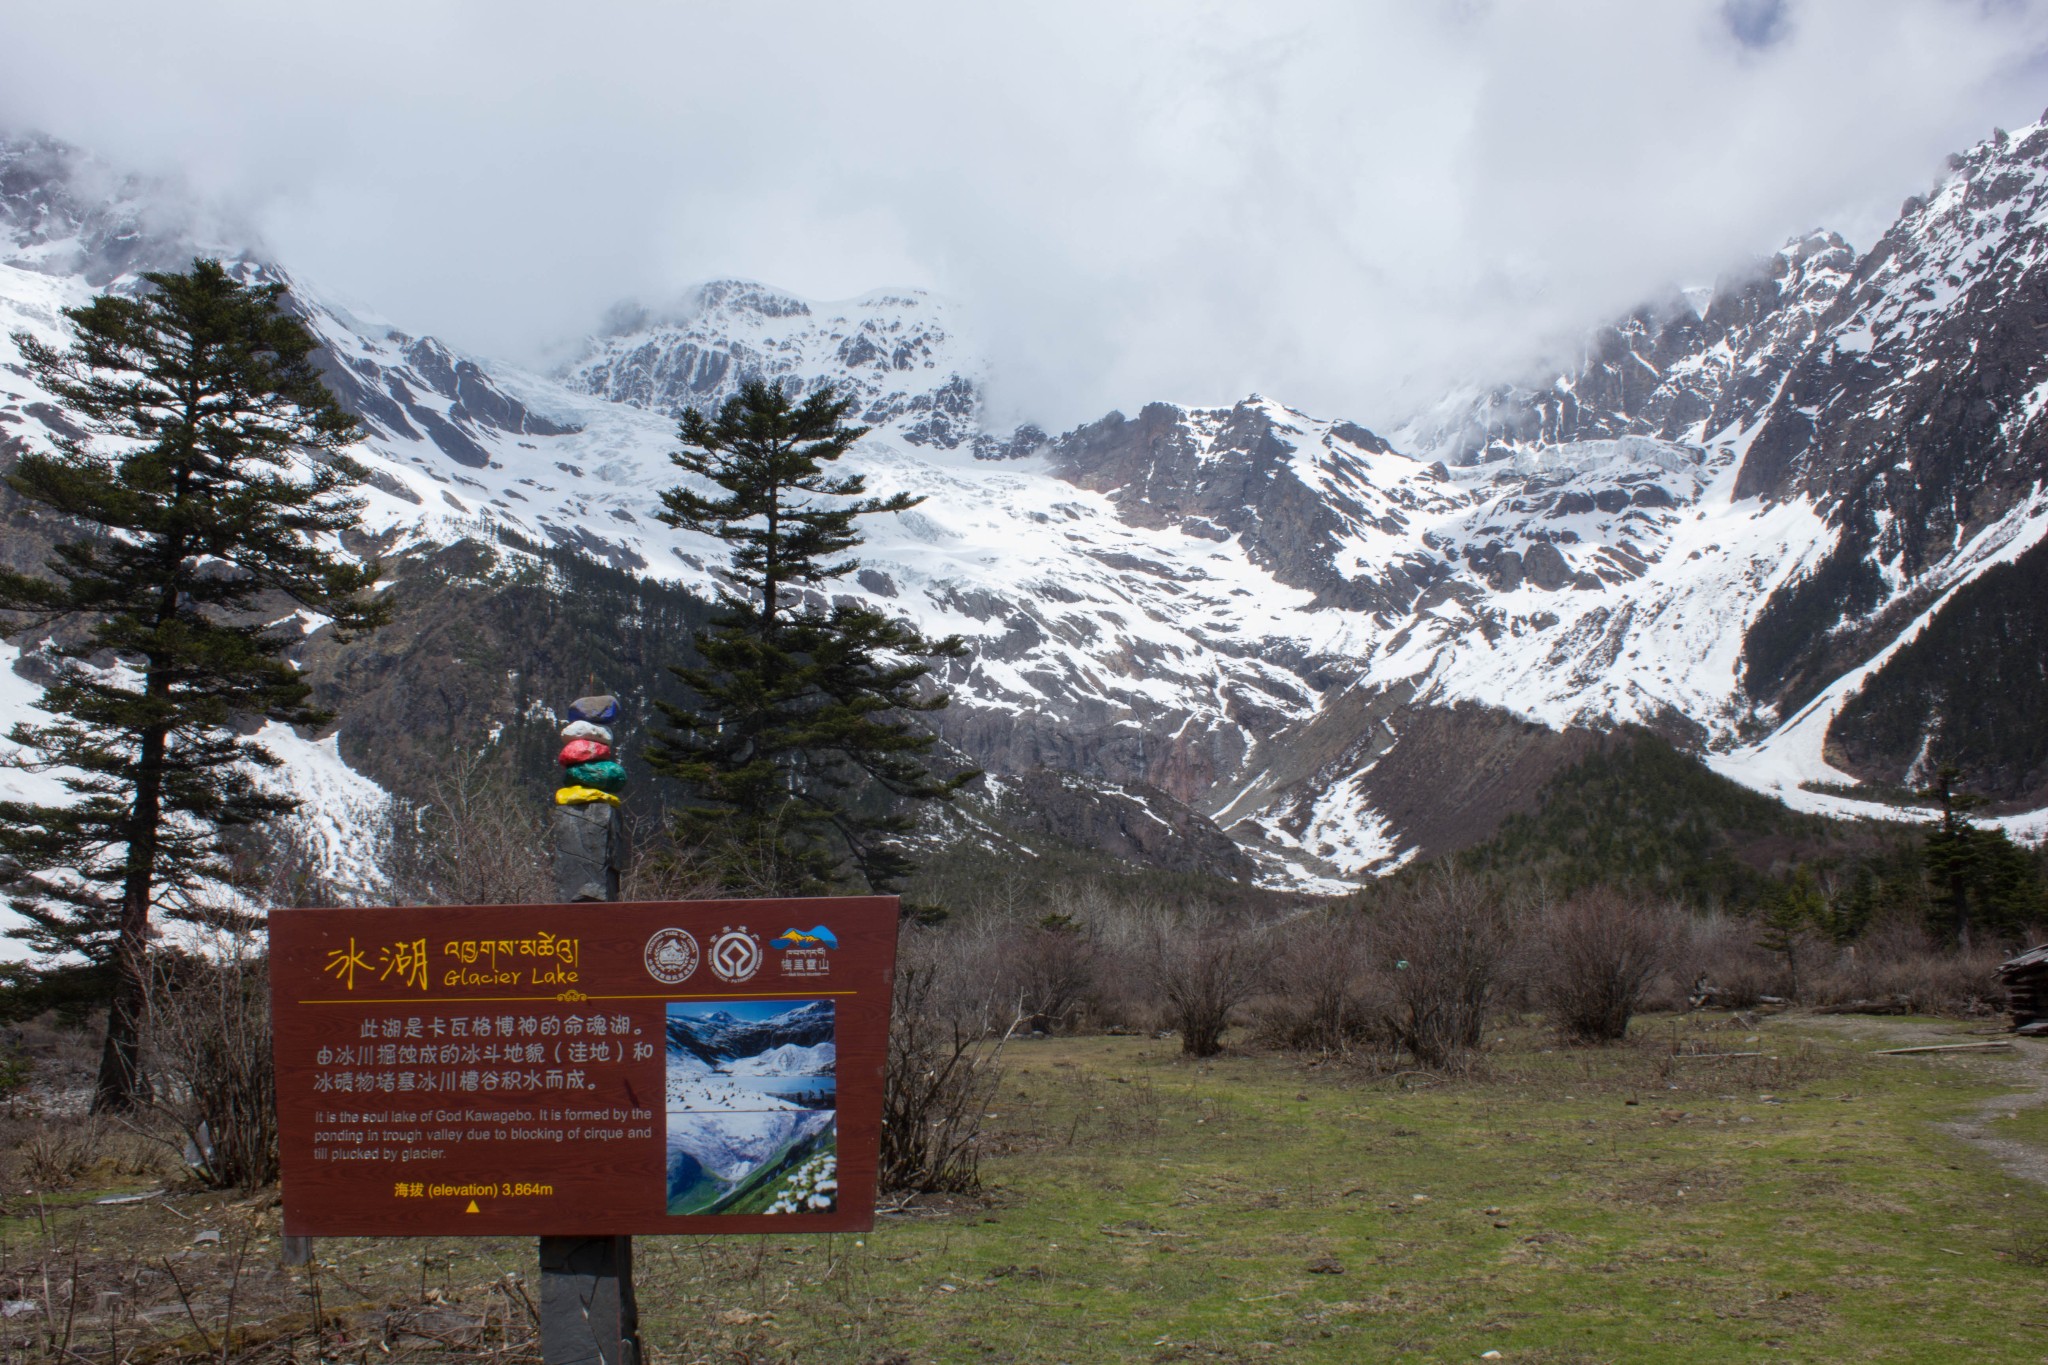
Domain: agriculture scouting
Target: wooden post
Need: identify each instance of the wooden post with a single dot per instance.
(587, 1312)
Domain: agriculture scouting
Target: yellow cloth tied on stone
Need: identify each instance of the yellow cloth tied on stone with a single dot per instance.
(582, 796)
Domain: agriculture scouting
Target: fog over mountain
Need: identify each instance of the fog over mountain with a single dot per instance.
(1357, 204)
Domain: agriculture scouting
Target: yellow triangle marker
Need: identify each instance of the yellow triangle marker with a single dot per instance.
(472, 1207)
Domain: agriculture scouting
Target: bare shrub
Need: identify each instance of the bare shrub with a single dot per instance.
(1201, 965)
(1444, 946)
(55, 1154)
(946, 1039)
(210, 1029)
(660, 869)
(1718, 959)
(1960, 983)
(58, 1150)
(479, 839)
(1120, 995)
(1052, 970)
(1598, 953)
(1320, 995)
(1898, 966)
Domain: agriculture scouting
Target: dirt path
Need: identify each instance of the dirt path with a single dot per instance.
(2017, 1158)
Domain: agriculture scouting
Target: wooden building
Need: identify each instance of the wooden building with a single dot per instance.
(2025, 979)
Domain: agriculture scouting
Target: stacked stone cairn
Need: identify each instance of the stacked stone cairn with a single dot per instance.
(590, 843)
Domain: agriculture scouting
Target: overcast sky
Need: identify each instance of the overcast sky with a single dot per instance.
(1345, 205)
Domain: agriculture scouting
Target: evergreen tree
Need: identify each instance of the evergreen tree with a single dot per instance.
(802, 749)
(1981, 879)
(204, 519)
(1790, 919)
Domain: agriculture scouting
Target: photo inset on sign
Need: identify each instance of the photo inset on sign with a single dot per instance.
(752, 1123)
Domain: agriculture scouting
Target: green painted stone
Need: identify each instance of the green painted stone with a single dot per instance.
(606, 775)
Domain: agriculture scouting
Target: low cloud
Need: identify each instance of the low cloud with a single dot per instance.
(1346, 205)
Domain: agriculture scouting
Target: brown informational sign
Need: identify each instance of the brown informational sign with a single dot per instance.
(601, 1069)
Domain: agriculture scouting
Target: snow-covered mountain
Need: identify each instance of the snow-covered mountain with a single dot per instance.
(717, 1061)
(1337, 649)
(718, 1039)
(788, 1059)
(897, 352)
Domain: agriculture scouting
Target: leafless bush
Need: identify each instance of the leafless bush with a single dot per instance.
(58, 1150)
(55, 1154)
(210, 1030)
(663, 870)
(1444, 946)
(1320, 994)
(1598, 953)
(1897, 965)
(1120, 994)
(1052, 970)
(479, 839)
(946, 1039)
(1201, 964)
(1718, 961)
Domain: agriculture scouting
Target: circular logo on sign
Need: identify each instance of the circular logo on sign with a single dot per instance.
(735, 954)
(671, 956)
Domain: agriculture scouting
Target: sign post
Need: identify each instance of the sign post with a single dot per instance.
(588, 1312)
(582, 1073)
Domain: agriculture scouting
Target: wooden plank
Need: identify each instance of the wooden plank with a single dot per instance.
(1945, 1047)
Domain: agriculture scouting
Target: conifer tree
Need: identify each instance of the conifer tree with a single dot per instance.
(1981, 879)
(205, 517)
(802, 749)
(1790, 919)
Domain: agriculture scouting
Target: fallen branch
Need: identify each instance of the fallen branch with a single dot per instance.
(1946, 1047)
(1709, 1056)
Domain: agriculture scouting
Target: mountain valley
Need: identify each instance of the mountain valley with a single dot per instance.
(1792, 525)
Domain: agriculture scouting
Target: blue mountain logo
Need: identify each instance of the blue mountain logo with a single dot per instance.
(818, 937)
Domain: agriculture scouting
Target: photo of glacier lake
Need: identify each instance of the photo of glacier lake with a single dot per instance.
(751, 1107)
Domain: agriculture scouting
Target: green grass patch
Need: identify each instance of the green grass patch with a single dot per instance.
(1657, 1201)
(2029, 1125)
(1567, 1205)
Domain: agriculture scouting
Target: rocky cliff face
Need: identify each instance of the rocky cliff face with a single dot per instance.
(64, 213)
(1295, 498)
(1139, 825)
(1914, 420)
(1688, 368)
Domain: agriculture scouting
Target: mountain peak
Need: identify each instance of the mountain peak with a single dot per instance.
(64, 211)
(894, 351)
(748, 296)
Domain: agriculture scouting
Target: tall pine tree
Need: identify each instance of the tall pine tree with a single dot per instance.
(802, 753)
(1981, 880)
(205, 518)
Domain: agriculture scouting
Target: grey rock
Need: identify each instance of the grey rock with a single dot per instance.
(588, 1315)
(590, 851)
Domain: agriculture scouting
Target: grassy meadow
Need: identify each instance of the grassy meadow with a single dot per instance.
(1634, 1204)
